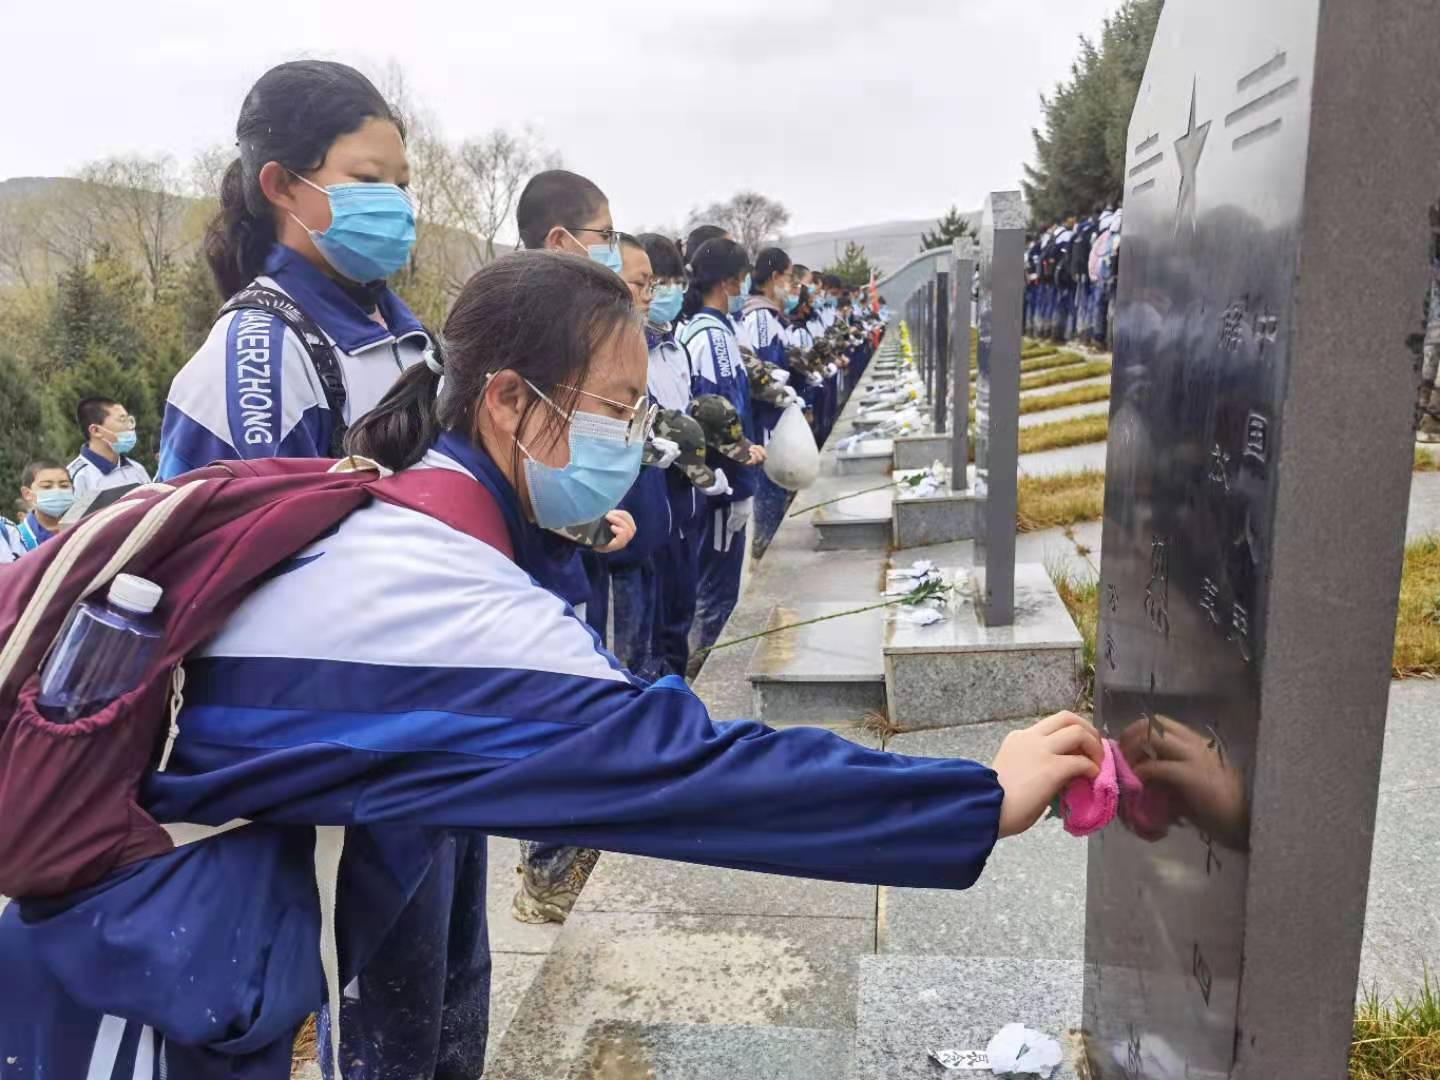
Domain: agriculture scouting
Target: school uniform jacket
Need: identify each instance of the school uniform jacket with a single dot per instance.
(89, 473)
(402, 679)
(714, 351)
(252, 391)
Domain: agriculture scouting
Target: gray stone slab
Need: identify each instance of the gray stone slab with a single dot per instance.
(511, 975)
(837, 650)
(1066, 459)
(704, 1052)
(506, 934)
(869, 507)
(816, 703)
(911, 1005)
(681, 969)
(1075, 551)
(935, 519)
(1424, 516)
(853, 536)
(1402, 915)
(1041, 622)
(873, 457)
(920, 451)
(630, 883)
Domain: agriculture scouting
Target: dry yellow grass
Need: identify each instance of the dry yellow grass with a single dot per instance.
(1399, 1040)
(1417, 625)
(1082, 600)
(1079, 395)
(1425, 460)
(1049, 502)
(1074, 432)
(1070, 373)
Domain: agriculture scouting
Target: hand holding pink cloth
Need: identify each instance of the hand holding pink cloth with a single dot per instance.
(1089, 805)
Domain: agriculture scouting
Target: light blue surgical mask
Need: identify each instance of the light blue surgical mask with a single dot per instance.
(666, 303)
(371, 233)
(604, 462)
(54, 502)
(791, 302)
(124, 442)
(737, 302)
(607, 255)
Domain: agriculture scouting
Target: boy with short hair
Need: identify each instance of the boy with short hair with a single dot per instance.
(46, 490)
(109, 433)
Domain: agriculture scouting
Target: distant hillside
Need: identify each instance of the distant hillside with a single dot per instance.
(888, 245)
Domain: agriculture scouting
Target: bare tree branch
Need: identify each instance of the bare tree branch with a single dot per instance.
(752, 219)
(141, 202)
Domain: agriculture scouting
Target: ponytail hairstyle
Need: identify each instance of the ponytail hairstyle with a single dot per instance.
(292, 115)
(768, 263)
(714, 262)
(540, 314)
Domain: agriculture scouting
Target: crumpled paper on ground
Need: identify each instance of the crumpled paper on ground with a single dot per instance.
(1022, 1051)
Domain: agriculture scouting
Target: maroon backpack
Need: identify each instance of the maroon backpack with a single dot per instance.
(68, 792)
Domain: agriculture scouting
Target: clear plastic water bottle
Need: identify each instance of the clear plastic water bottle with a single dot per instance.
(104, 649)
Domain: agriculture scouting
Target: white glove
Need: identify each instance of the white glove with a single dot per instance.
(780, 376)
(830, 369)
(720, 487)
(816, 379)
(669, 451)
(792, 398)
(739, 515)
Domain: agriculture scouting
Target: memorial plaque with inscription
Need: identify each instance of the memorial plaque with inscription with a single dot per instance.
(997, 398)
(1256, 495)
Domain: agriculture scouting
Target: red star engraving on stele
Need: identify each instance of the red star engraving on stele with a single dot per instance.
(1188, 149)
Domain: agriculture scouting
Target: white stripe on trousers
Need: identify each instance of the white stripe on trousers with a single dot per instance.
(106, 1049)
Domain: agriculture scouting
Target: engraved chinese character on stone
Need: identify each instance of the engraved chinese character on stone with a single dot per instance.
(1201, 970)
(1210, 600)
(1157, 591)
(1257, 438)
(1211, 858)
(1266, 329)
(1112, 598)
(1134, 1057)
(1232, 324)
(1219, 464)
(1110, 650)
(1240, 630)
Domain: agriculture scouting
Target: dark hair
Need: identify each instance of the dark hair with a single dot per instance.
(665, 257)
(92, 410)
(715, 261)
(881, 299)
(293, 114)
(831, 281)
(27, 478)
(555, 197)
(768, 263)
(701, 235)
(540, 314)
(626, 240)
(800, 271)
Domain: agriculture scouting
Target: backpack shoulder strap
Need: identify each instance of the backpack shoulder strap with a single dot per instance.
(456, 499)
(702, 321)
(317, 345)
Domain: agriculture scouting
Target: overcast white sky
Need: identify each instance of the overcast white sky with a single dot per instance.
(850, 113)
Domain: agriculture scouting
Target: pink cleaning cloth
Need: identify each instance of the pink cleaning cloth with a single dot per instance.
(1145, 810)
(1089, 805)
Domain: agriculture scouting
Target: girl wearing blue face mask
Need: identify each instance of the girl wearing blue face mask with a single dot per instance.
(408, 683)
(771, 301)
(719, 282)
(314, 217)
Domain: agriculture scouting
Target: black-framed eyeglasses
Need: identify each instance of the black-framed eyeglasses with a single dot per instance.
(610, 236)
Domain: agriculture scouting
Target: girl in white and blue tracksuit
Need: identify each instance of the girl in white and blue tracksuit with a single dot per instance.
(763, 331)
(409, 684)
(266, 384)
(404, 680)
(719, 273)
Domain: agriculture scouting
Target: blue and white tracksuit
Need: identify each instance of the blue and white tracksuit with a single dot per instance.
(763, 330)
(251, 390)
(654, 584)
(411, 684)
(11, 544)
(32, 533)
(714, 351)
(90, 472)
